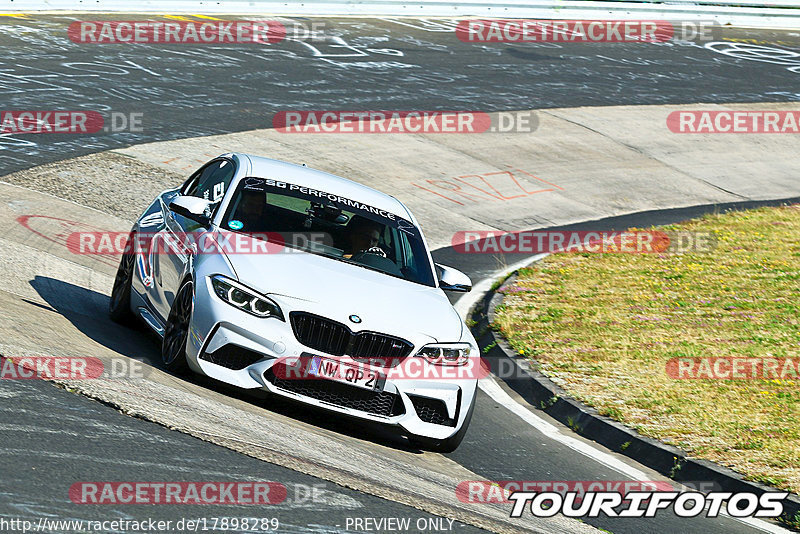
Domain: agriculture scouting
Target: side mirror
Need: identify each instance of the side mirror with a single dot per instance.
(196, 209)
(453, 280)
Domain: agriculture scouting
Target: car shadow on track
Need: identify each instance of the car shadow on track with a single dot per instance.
(87, 310)
(355, 428)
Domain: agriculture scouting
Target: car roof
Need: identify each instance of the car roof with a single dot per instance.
(262, 167)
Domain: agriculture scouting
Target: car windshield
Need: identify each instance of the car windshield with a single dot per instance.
(330, 225)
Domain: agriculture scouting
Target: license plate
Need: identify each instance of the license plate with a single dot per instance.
(359, 376)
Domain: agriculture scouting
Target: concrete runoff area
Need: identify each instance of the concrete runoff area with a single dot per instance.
(580, 164)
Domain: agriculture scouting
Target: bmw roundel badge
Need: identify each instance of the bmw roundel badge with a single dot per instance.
(355, 318)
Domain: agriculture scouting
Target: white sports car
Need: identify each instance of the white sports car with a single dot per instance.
(264, 274)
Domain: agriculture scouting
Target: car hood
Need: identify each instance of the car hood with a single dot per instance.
(337, 290)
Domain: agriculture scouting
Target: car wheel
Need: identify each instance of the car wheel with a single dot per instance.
(176, 332)
(450, 444)
(119, 308)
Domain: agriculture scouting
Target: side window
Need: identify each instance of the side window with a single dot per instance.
(212, 181)
(190, 187)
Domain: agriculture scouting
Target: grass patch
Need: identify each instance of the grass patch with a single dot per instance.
(793, 522)
(603, 326)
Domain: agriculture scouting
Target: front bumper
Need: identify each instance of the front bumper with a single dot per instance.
(239, 349)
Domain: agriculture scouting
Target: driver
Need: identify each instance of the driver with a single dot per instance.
(362, 234)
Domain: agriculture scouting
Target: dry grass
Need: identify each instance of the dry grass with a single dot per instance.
(604, 325)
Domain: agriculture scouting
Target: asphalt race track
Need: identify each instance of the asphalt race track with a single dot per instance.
(53, 437)
(360, 64)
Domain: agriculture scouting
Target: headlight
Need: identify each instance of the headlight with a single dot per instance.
(245, 299)
(446, 353)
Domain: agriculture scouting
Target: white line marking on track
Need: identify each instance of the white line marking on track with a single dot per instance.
(492, 388)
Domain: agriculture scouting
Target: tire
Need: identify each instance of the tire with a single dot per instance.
(449, 444)
(176, 331)
(119, 307)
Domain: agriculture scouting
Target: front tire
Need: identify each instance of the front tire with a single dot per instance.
(176, 332)
(449, 444)
(119, 308)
